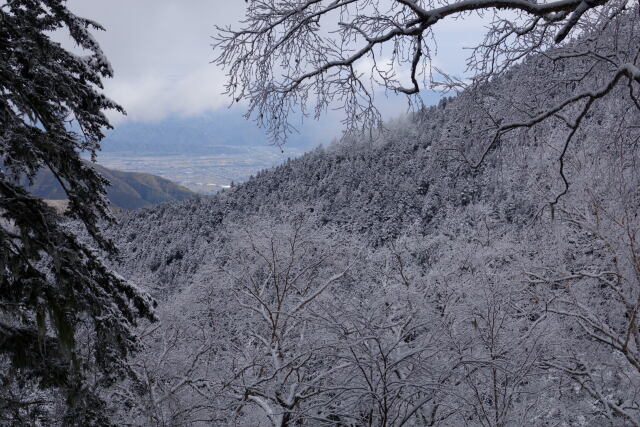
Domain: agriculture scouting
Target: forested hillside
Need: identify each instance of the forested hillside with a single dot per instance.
(377, 189)
(392, 280)
(126, 190)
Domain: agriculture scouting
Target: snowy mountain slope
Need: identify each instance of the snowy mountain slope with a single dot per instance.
(417, 282)
(403, 180)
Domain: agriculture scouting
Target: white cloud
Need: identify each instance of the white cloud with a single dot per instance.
(154, 97)
(161, 53)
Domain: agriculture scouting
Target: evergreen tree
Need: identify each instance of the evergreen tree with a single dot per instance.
(55, 288)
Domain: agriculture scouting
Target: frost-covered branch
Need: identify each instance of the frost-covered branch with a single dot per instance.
(292, 54)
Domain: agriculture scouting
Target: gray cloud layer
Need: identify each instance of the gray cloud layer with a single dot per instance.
(161, 52)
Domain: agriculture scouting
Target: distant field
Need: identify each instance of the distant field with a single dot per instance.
(202, 173)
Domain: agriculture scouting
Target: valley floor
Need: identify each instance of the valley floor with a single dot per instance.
(201, 173)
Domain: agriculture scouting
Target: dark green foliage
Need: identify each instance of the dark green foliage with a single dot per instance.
(53, 287)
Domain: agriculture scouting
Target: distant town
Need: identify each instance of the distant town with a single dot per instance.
(201, 173)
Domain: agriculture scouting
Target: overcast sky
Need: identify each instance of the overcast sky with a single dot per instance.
(161, 53)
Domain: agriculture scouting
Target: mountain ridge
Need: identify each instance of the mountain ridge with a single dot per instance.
(127, 190)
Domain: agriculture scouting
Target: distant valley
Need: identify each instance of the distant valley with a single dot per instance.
(204, 154)
(202, 173)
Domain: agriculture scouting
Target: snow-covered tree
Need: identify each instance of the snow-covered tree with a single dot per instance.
(595, 290)
(283, 364)
(55, 289)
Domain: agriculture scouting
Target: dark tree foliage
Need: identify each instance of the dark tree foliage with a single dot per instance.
(54, 288)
